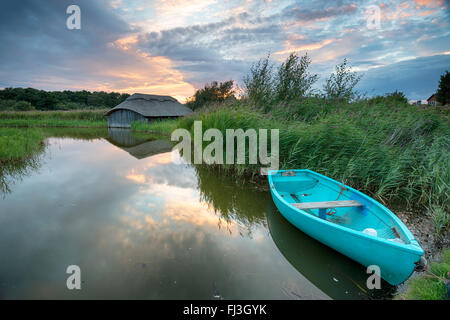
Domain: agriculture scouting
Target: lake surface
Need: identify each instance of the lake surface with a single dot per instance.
(143, 224)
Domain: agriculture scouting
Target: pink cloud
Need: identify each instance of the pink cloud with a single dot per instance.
(430, 3)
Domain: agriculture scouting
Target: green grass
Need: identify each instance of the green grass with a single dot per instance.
(439, 218)
(395, 153)
(19, 153)
(22, 132)
(161, 126)
(426, 289)
(78, 118)
(34, 123)
(91, 115)
(432, 284)
(17, 145)
(21, 136)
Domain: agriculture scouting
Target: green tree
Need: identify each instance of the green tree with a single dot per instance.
(443, 92)
(65, 100)
(95, 99)
(397, 97)
(7, 105)
(293, 80)
(258, 84)
(214, 92)
(340, 85)
(22, 106)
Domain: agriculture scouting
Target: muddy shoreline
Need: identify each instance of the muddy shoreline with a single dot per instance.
(421, 227)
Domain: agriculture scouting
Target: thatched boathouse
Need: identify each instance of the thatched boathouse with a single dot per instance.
(145, 107)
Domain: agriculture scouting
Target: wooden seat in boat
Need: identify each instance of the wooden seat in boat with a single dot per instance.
(323, 205)
(327, 204)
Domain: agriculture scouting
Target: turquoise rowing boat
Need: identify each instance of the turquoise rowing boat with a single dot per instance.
(347, 221)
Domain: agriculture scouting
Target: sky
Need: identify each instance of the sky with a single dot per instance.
(173, 47)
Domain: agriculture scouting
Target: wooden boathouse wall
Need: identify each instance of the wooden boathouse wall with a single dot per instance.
(124, 118)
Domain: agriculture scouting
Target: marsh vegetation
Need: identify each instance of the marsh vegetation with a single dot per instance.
(393, 151)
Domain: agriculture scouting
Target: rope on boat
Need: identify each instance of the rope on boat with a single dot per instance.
(333, 210)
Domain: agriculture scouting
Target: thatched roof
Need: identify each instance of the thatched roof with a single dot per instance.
(150, 105)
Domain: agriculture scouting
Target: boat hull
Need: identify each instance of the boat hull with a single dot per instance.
(396, 261)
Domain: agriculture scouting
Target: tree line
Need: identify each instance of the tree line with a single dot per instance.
(266, 85)
(24, 99)
(269, 86)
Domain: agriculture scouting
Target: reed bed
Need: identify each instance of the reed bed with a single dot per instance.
(395, 153)
(392, 151)
(76, 118)
(17, 145)
(20, 150)
(165, 126)
(91, 115)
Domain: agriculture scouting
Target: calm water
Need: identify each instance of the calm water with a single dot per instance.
(141, 226)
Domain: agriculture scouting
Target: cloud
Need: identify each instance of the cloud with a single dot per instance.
(172, 47)
(417, 78)
(225, 49)
(43, 53)
(430, 3)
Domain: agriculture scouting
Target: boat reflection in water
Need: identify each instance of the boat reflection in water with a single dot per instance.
(333, 273)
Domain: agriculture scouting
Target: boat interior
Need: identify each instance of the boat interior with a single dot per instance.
(336, 203)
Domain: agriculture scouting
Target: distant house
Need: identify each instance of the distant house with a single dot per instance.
(432, 100)
(418, 102)
(145, 107)
(422, 102)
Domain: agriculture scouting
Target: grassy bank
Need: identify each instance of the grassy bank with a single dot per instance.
(19, 150)
(395, 153)
(18, 145)
(78, 118)
(392, 151)
(432, 285)
(160, 126)
(22, 132)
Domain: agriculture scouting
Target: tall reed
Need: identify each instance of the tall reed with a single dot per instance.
(394, 153)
